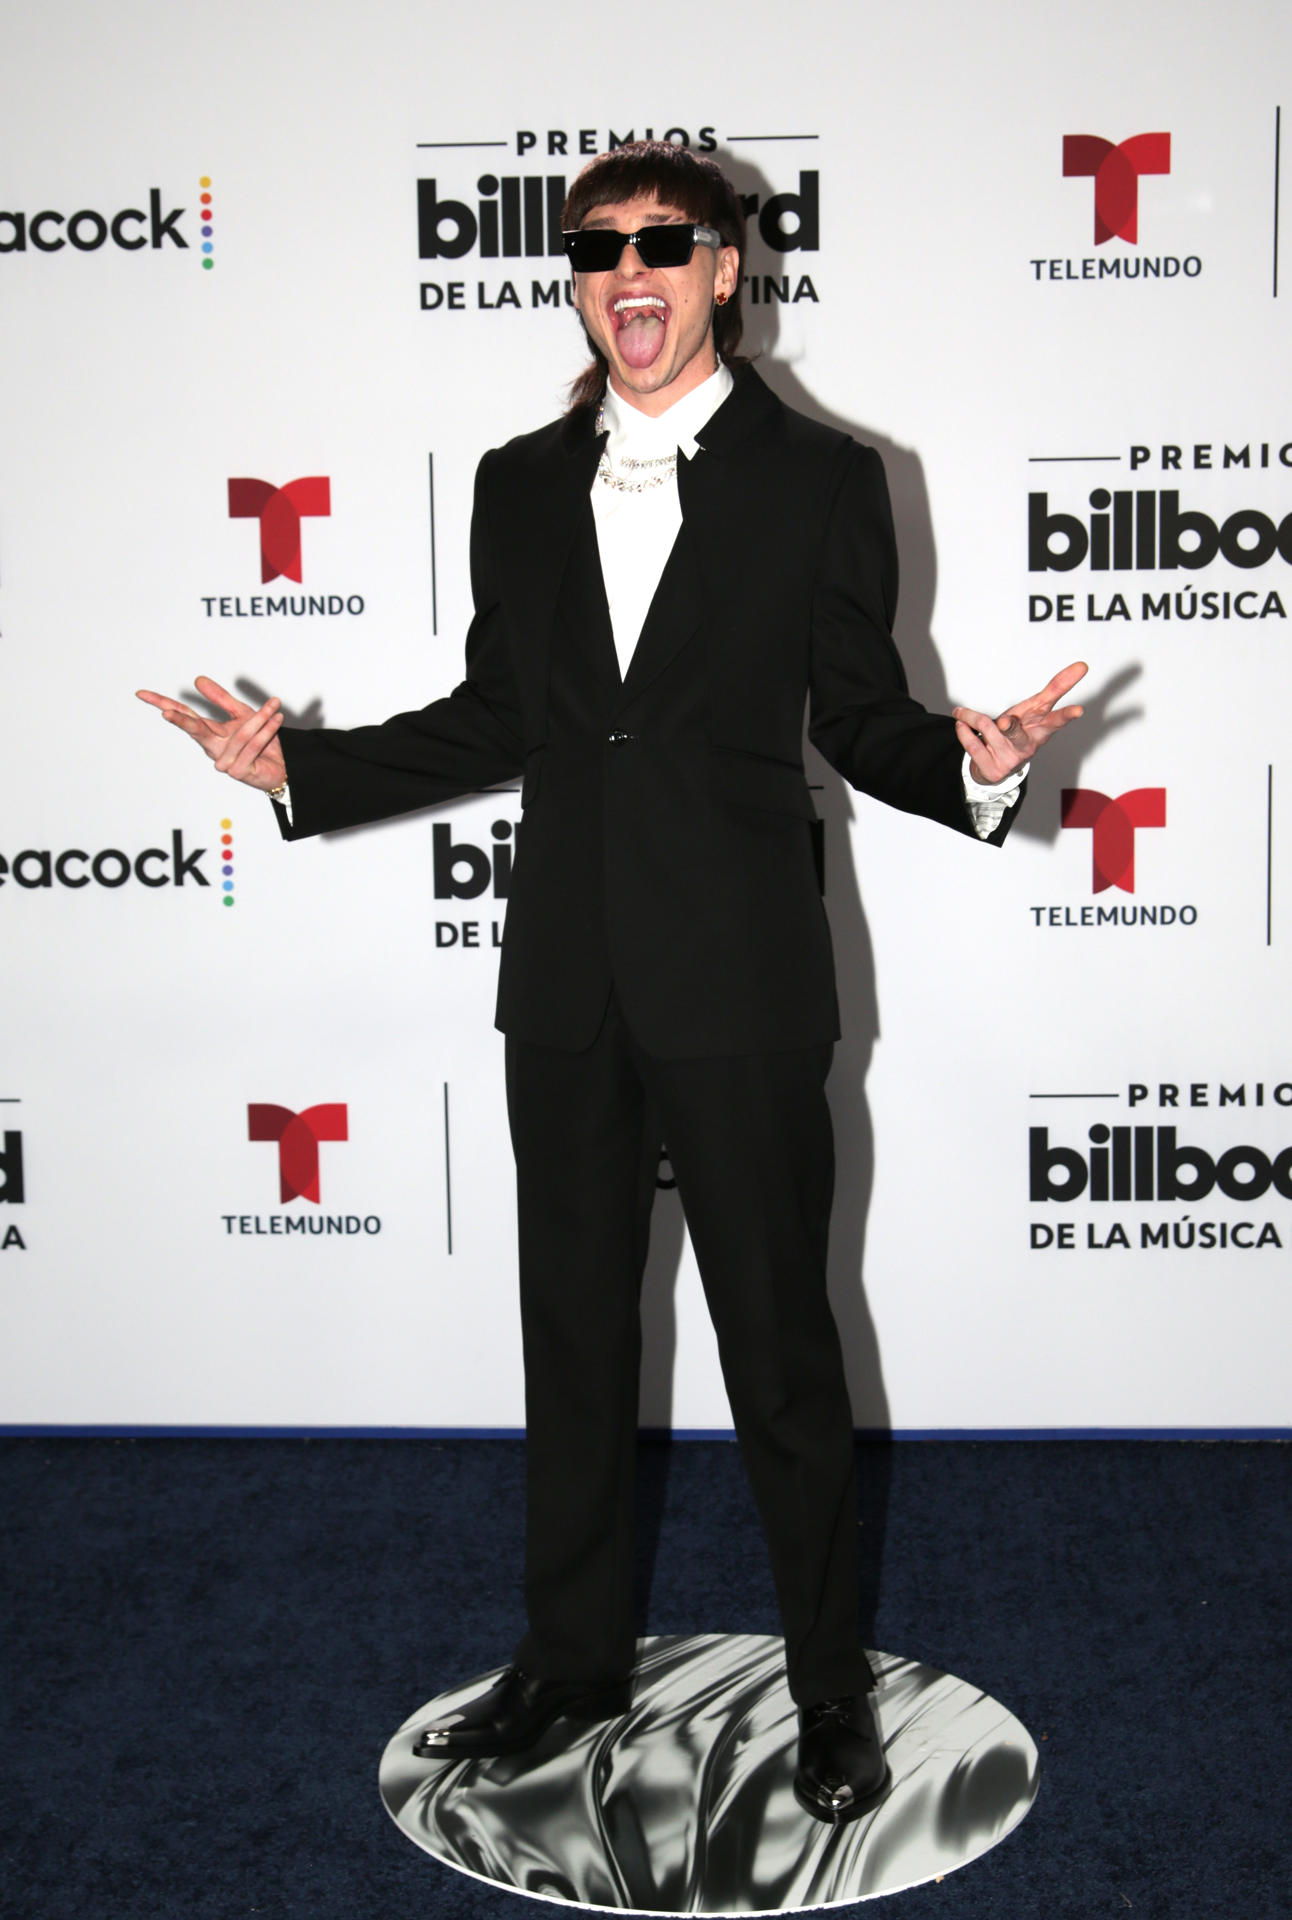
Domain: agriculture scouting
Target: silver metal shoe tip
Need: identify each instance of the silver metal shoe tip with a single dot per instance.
(840, 1797)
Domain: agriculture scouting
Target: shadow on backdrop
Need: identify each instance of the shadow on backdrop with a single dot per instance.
(854, 954)
(854, 963)
(309, 716)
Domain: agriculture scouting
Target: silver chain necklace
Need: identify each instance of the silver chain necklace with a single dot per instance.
(648, 473)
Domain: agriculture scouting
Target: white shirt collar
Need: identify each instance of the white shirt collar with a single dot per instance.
(645, 435)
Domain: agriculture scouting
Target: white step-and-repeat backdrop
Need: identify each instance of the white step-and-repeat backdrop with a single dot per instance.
(271, 279)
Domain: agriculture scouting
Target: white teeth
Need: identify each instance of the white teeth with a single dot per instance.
(640, 300)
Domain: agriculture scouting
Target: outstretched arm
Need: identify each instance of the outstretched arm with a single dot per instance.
(470, 739)
(245, 746)
(863, 719)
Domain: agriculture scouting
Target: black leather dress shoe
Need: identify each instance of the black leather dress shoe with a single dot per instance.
(841, 1772)
(513, 1712)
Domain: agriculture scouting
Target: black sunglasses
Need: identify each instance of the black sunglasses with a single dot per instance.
(597, 249)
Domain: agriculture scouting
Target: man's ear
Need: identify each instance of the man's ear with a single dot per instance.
(727, 273)
(574, 281)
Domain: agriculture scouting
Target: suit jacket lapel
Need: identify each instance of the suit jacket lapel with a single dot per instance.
(547, 508)
(537, 512)
(705, 494)
(583, 606)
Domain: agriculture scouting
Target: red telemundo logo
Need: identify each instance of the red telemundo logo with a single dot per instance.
(280, 511)
(1116, 171)
(1112, 823)
(298, 1136)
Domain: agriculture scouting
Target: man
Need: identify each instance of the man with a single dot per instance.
(661, 580)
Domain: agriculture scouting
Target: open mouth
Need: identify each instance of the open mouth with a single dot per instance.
(640, 321)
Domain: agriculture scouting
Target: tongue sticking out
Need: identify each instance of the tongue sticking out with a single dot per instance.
(640, 338)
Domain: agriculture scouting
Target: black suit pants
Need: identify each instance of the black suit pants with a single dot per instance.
(750, 1143)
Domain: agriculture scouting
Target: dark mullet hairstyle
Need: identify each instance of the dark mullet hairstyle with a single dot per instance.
(688, 183)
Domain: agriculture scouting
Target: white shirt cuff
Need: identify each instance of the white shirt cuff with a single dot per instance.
(987, 804)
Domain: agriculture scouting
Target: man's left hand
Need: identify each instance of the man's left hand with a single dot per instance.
(999, 747)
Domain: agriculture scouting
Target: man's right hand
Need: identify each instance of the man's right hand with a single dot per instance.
(244, 746)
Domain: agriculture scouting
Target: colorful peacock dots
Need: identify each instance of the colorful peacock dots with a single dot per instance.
(208, 223)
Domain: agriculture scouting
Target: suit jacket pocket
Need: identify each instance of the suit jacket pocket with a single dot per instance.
(752, 780)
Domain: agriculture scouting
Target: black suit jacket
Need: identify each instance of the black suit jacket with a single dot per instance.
(665, 845)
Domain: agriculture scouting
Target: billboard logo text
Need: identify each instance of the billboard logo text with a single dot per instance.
(11, 1182)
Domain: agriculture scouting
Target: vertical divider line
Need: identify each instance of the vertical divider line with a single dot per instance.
(448, 1177)
(435, 616)
(1269, 855)
(1278, 127)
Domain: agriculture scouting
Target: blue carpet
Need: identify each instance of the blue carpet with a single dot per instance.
(206, 1644)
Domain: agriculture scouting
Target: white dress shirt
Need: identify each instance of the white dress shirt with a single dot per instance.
(636, 531)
